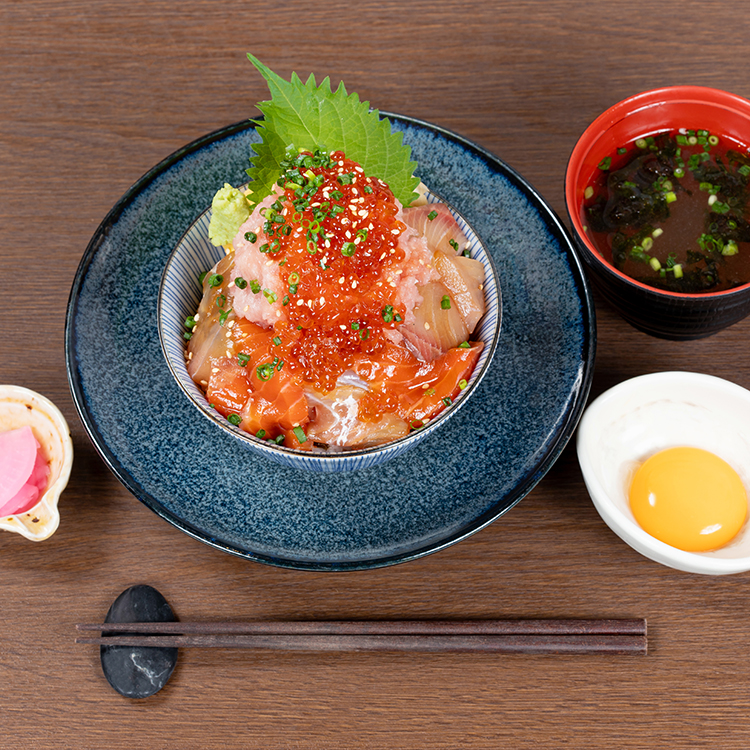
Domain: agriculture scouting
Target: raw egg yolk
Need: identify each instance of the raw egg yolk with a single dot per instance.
(689, 498)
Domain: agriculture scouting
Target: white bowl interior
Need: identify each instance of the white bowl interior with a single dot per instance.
(180, 296)
(644, 415)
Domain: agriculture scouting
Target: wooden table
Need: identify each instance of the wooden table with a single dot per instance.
(93, 95)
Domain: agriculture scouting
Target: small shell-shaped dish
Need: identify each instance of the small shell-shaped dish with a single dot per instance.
(20, 407)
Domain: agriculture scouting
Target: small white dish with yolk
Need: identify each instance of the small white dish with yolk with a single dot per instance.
(640, 417)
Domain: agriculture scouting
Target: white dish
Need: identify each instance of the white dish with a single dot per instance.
(20, 407)
(637, 418)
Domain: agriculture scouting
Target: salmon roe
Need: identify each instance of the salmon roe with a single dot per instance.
(334, 234)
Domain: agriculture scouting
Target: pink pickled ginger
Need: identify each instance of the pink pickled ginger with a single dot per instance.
(23, 471)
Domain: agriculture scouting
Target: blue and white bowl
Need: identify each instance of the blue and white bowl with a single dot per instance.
(180, 294)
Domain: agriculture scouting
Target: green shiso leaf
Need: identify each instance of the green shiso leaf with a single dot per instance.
(308, 116)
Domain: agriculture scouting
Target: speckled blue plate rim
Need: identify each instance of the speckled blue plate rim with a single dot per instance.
(543, 457)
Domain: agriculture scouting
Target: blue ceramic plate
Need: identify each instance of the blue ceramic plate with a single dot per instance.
(194, 475)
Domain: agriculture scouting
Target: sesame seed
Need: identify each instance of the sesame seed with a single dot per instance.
(382, 256)
(300, 302)
(359, 169)
(322, 300)
(427, 326)
(197, 316)
(214, 369)
(342, 280)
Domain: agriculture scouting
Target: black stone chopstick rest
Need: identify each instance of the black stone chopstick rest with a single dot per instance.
(138, 671)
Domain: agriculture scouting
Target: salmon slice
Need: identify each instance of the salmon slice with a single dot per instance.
(228, 387)
(276, 403)
(438, 231)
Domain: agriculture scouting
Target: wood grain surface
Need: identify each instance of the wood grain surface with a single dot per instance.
(95, 93)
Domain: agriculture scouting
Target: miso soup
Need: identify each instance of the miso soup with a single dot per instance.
(671, 211)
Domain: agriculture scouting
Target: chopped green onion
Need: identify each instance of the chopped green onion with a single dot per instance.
(345, 179)
(730, 248)
(234, 419)
(293, 278)
(453, 244)
(254, 287)
(588, 192)
(464, 345)
(276, 340)
(187, 335)
(462, 384)
(641, 143)
(240, 283)
(190, 322)
(367, 189)
(265, 372)
(251, 236)
(202, 277)
(677, 268)
(605, 163)
(445, 303)
(447, 400)
(355, 326)
(670, 197)
(300, 434)
(260, 434)
(243, 359)
(223, 315)
(387, 313)
(348, 249)
(270, 296)
(654, 263)
(215, 279)
(432, 215)
(221, 300)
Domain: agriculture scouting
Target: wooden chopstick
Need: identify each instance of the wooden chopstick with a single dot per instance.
(498, 636)
(504, 644)
(380, 627)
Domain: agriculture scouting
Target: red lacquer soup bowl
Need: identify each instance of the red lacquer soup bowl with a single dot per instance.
(665, 313)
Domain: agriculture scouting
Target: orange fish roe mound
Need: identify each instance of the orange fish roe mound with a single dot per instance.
(334, 233)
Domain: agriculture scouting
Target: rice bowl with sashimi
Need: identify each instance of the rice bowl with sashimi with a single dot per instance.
(337, 320)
